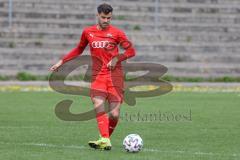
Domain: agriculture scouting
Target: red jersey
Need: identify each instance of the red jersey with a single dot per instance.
(103, 47)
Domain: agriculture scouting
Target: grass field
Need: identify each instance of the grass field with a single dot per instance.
(192, 126)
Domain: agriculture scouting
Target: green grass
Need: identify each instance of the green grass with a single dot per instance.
(30, 130)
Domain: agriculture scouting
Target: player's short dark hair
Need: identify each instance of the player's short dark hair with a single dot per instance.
(104, 8)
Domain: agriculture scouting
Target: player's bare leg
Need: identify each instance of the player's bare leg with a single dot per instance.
(98, 102)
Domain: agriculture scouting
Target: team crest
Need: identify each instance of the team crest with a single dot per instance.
(90, 34)
(109, 35)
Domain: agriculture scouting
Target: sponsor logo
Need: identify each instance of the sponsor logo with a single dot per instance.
(109, 35)
(100, 44)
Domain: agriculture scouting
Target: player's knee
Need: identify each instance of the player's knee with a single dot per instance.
(114, 114)
(98, 102)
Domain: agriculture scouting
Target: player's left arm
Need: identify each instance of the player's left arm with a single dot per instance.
(129, 50)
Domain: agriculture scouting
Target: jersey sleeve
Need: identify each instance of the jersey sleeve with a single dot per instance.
(77, 50)
(127, 46)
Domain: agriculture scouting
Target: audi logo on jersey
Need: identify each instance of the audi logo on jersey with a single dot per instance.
(109, 46)
(100, 44)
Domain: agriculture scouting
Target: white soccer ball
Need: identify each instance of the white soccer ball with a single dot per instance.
(133, 143)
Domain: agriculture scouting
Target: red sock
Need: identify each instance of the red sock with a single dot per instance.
(102, 120)
(112, 125)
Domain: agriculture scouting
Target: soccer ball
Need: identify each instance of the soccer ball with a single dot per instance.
(133, 143)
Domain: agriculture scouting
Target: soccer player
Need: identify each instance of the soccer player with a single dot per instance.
(107, 76)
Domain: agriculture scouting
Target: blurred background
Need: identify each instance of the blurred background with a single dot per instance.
(197, 40)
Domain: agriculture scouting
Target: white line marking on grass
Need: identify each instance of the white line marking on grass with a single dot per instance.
(192, 153)
(144, 150)
(45, 145)
(54, 146)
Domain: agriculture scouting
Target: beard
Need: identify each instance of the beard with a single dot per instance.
(104, 25)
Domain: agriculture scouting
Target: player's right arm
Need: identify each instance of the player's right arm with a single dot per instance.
(73, 53)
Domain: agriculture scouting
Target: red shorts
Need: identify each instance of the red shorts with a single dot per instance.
(111, 88)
